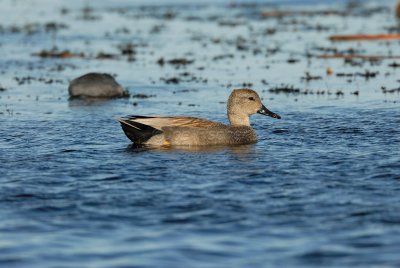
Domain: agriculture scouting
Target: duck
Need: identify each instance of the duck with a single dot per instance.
(167, 131)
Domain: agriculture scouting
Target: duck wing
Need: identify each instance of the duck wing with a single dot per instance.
(160, 122)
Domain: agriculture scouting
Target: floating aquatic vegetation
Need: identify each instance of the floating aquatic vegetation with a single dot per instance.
(64, 54)
(310, 77)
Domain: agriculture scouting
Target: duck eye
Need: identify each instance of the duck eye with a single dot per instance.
(251, 98)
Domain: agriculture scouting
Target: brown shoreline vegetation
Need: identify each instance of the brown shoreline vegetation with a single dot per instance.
(365, 37)
(277, 13)
(353, 7)
(398, 10)
(65, 54)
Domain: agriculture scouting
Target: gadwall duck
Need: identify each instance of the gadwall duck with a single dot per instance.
(191, 131)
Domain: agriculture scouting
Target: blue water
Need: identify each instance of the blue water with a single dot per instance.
(320, 188)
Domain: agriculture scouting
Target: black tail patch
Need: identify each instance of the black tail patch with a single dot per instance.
(137, 132)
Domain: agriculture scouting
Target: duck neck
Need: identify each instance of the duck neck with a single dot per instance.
(239, 119)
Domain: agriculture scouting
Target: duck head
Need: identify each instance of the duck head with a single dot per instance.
(243, 103)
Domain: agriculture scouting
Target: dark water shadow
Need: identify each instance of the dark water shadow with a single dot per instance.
(237, 149)
(83, 102)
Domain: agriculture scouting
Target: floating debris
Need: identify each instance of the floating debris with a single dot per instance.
(34, 28)
(339, 93)
(354, 62)
(185, 77)
(157, 28)
(270, 31)
(394, 65)
(180, 61)
(29, 79)
(394, 90)
(127, 49)
(356, 56)
(344, 74)
(54, 26)
(184, 91)
(285, 89)
(160, 61)
(222, 57)
(142, 96)
(177, 61)
(248, 85)
(231, 23)
(292, 61)
(310, 77)
(367, 74)
(172, 80)
(105, 56)
(88, 14)
(65, 54)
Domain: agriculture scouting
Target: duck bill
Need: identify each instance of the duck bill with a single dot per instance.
(265, 111)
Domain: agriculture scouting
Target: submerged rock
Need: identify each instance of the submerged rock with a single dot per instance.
(96, 85)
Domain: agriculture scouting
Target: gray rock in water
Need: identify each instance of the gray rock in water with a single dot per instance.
(96, 85)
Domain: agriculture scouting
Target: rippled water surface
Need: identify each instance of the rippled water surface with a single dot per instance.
(320, 188)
